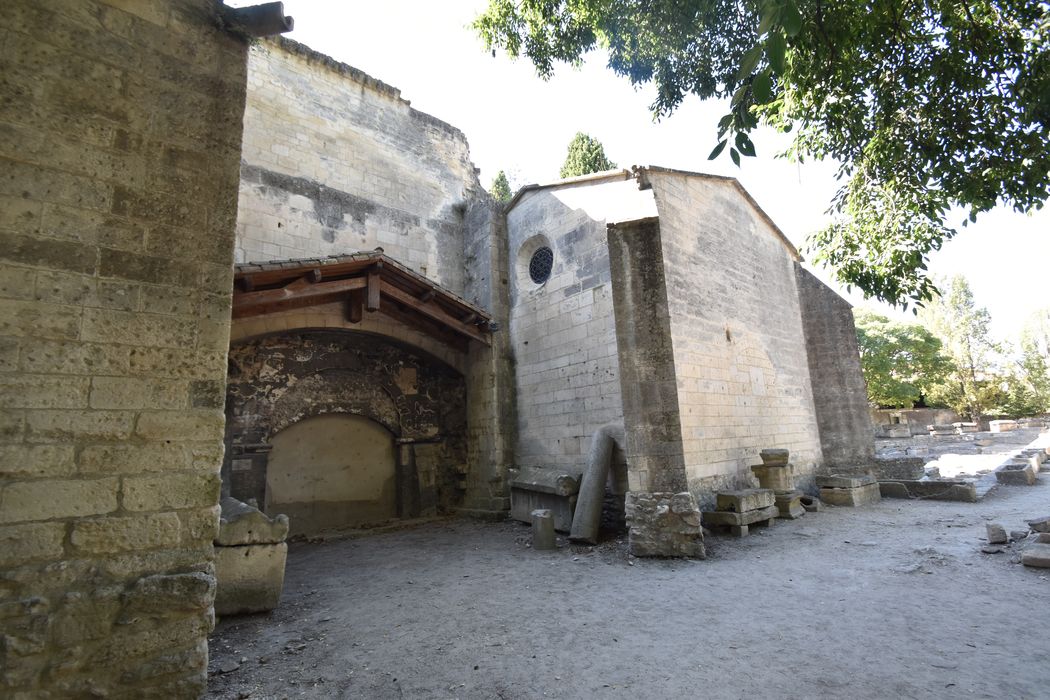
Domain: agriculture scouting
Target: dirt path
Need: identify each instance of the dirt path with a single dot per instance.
(893, 600)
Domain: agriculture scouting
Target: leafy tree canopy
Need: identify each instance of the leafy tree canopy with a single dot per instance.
(925, 104)
(586, 155)
(900, 361)
(500, 189)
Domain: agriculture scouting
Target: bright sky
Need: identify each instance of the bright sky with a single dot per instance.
(516, 122)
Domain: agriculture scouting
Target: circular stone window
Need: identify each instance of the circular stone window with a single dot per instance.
(540, 265)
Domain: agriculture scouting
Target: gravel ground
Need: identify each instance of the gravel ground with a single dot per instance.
(891, 600)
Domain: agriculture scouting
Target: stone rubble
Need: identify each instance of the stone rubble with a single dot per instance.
(664, 524)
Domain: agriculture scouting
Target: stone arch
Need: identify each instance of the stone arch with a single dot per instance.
(279, 379)
(338, 391)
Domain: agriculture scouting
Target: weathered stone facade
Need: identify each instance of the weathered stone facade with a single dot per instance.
(337, 161)
(120, 127)
(279, 380)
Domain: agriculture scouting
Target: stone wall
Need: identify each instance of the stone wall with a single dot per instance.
(278, 380)
(489, 375)
(742, 373)
(652, 418)
(335, 161)
(562, 332)
(839, 392)
(120, 126)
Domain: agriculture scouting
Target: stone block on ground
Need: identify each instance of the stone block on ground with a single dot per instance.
(789, 505)
(744, 500)
(543, 530)
(1016, 475)
(838, 481)
(720, 518)
(1042, 537)
(1037, 555)
(250, 578)
(851, 497)
(663, 524)
(1039, 524)
(811, 504)
(934, 490)
(240, 524)
(537, 488)
(996, 533)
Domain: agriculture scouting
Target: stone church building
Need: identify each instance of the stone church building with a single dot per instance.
(400, 341)
(240, 267)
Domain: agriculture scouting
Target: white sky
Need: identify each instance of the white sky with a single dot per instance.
(516, 122)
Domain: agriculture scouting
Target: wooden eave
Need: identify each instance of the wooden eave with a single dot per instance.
(366, 283)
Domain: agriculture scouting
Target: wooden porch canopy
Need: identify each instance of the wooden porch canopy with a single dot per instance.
(365, 282)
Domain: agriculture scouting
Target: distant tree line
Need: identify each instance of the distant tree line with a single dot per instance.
(949, 359)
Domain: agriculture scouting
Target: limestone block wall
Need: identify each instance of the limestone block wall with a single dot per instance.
(562, 332)
(120, 126)
(740, 350)
(336, 161)
(839, 393)
(489, 375)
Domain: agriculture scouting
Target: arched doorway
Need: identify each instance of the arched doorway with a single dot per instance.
(332, 471)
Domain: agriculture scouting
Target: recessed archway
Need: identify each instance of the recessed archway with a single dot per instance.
(331, 471)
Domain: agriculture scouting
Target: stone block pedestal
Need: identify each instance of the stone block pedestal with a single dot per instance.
(663, 524)
(851, 491)
(250, 554)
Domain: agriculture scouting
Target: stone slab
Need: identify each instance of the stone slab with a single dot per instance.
(550, 481)
(1039, 524)
(839, 481)
(851, 497)
(774, 457)
(1016, 475)
(524, 501)
(250, 578)
(964, 491)
(1037, 555)
(242, 524)
(724, 518)
(743, 500)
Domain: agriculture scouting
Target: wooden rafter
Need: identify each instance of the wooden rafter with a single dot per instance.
(366, 283)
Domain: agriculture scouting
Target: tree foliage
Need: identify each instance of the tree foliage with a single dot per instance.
(586, 155)
(500, 189)
(900, 361)
(974, 384)
(925, 104)
(1028, 384)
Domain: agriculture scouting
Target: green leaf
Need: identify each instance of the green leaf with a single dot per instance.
(770, 14)
(738, 95)
(791, 19)
(749, 62)
(744, 145)
(762, 88)
(776, 48)
(735, 156)
(718, 149)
